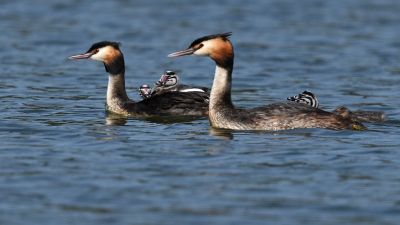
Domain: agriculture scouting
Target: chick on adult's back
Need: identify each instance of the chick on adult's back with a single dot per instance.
(169, 82)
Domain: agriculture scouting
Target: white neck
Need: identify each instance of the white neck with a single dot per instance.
(221, 88)
(116, 94)
(221, 105)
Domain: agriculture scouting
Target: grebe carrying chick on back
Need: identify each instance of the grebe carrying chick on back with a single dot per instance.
(277, 116)
(170, 103)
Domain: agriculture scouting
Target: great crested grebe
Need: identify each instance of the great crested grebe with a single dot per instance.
(171, 103)
(169, 82)
(277, 116)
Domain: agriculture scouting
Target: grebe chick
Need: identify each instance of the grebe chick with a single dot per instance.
(145, 91)
(173, 103)
(309, 98)
(278, 116)
(169, 82)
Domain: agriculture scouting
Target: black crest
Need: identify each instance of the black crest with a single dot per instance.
(104, 44)
(224, 36)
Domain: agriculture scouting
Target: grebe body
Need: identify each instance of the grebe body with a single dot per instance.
(278, 116)
(173, 103)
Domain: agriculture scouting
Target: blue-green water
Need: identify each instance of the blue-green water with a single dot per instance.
(64, 160)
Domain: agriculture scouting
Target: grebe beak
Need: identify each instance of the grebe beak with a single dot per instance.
(188, 51)
(82, 56)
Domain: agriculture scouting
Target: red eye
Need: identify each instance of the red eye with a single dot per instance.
(96, 51)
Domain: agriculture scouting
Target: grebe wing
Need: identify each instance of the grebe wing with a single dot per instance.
(298, 116)
(282, 109)
(178, 103)
(183, 87)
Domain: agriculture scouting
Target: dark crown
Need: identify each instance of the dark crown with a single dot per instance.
(104, 44)
(224, 37)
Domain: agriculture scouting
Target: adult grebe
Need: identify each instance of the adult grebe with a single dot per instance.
(278, 116)
(169, 82)
(171, 103)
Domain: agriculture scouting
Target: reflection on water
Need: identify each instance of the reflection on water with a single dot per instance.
(113, 119)
(174, 119)
(221, 133)
(272, 135)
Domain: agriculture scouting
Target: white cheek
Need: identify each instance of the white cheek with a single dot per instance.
(205, 50)
(96, 57)
(202, 52)
(100, 56)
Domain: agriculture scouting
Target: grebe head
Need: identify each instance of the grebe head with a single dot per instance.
(168, 79)
(105, 51)
(307, 97)
(145, 91)
(216, 46)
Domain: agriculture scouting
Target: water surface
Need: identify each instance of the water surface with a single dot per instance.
(64, 160)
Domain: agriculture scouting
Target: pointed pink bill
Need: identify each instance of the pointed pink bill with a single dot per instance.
(188, 51)
(82, 56)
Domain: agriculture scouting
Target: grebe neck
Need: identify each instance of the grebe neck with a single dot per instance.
(221, 89)
(221, 108)
(221, 105)
(220, 96)
(116, 93)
